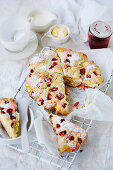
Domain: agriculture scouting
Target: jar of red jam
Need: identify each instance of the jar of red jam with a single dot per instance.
(99, 34)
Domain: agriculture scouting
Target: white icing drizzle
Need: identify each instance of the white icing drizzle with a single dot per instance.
(89, 66)
(8, 106)
(49, 53)
(43, 67)
(71, 127)
(34, 81)
(37, 92)
(36, 58)
(73, 58)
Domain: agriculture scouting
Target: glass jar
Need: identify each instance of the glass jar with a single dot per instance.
(99, 35)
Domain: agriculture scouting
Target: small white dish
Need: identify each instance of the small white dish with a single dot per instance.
(8, 140)
(15, 33)
(57, 40)
(26, 52)
(40, 20)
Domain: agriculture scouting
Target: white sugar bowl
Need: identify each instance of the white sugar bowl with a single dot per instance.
(15, 33)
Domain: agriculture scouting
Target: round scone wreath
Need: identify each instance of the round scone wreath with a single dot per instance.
(50, 70)
(9, 116)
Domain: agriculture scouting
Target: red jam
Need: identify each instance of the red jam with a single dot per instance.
(99, 35)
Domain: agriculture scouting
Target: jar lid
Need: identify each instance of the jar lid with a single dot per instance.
(100, 29)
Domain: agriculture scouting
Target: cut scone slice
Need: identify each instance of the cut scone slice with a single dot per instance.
(69, 136)
(70, 57)
(91, 74)
(70, 61)
(48, 90)
(9, 117)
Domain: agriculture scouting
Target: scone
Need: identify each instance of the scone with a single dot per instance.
(48, 61)
(69, 136)
(9, 117)
(77, 70)
(91, 74)
(46, 86)
(70, 61)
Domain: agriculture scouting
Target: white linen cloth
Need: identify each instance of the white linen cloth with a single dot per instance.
(98, 149)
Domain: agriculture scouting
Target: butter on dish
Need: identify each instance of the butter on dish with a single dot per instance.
(59, 31)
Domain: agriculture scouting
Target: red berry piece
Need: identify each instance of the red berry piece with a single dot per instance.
(67, 66)
(80, 140)
(76, 105)
(71, 137)
(12, 124)
(49, 97)
(6, 101)
(2, 112)
(50, 116)
(95, 73)
(88, 76)
(69, 55)
(29, 75)
(53, 64)
(54, 59)
(62, 133)
(54, 88)
(52, 76)
(62, 120)
(57, 125)
(41, 101)
(48, 80)
(82, 85)
(32, 71)
(66, 60)
(1, 108)
(12, 117)
(81, 150)
(48, 85)
(9, 111)
(32, 93)
(60, 96)
(54, 130)
(64, 105)
(82, 71)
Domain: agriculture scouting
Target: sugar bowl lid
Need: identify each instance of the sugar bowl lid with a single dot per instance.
(100, 29)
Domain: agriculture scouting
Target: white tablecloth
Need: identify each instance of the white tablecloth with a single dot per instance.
(98, 150)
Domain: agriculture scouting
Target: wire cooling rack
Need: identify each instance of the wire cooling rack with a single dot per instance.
(40, 152)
